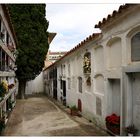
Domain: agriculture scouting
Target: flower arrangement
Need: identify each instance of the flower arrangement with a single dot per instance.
(113, 123)
(74, 110)
(10, 86)
(113, 119)
(3, 88)
(73, 107)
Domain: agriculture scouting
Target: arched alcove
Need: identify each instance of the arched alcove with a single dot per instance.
(99, 58)
(114, 53)
(133, 31)
(135, 47)
(99, 84)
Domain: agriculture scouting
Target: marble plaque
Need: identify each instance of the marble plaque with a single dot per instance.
(98, 106)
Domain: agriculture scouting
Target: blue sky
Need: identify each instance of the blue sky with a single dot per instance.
(74, 22)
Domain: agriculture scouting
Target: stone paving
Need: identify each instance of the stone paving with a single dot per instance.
(39, 116)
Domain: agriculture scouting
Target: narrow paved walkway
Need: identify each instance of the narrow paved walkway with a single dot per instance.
(38, 116)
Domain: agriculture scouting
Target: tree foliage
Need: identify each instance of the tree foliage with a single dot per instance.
(31, 27)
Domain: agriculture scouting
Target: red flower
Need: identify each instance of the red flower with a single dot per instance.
(113, 119)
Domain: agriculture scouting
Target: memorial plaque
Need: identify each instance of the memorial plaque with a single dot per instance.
(98, 106)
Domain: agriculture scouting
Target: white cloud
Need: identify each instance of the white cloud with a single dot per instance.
(74, 22)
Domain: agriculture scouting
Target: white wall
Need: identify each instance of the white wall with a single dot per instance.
(99, 84)
(36, 85)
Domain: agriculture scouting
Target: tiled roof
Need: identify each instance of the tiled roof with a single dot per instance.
(57, 53)
(115, 13)
(90, 38)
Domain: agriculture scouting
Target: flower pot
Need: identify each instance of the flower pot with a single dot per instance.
(74, 112)
(131, 130)
(113, 128)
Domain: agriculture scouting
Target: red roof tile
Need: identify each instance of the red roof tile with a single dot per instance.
(90, 38)
(115, 13)
(51, 53)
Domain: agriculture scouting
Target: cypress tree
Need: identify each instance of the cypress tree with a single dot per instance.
(31, 27)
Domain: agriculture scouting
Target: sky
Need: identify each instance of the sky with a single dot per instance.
(75, 22)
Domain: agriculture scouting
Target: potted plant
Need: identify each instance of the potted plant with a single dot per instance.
(74, 110)
(3, 88)
(10, 86)
(131, 130)
(113, 123)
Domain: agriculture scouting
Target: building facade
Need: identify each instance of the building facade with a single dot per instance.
(52, 57)
(101, 75)
(8, 84)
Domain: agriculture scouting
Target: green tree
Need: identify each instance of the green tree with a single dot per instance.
(31, 27)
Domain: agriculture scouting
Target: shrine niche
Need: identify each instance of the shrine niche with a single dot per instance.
(87, 63)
